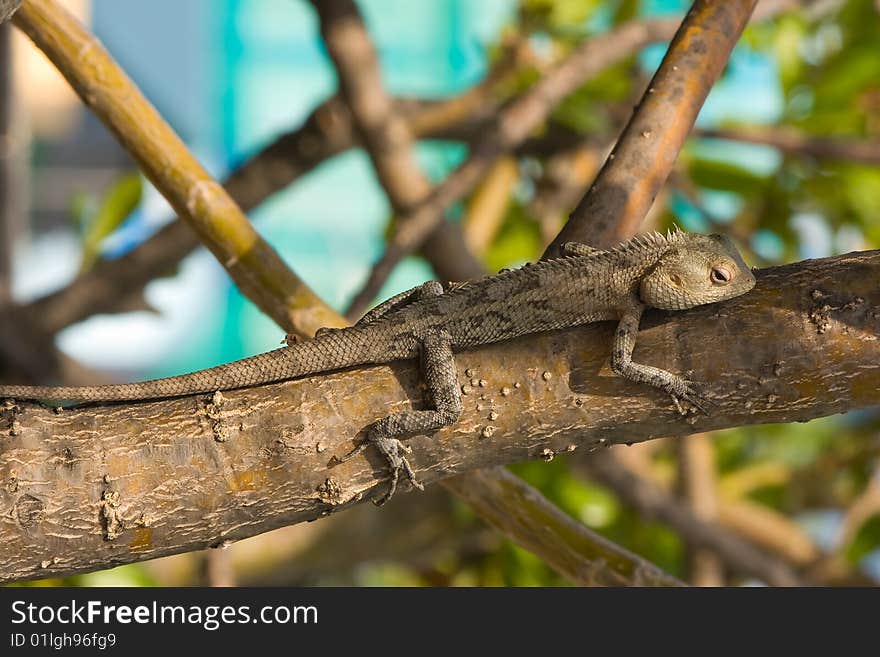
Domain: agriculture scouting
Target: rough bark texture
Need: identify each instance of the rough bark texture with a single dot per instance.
(7, 8)
(88, 488)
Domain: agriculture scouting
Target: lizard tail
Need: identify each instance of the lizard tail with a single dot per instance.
(332, 351)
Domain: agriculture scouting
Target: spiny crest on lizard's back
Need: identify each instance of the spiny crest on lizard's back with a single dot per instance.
(655, 240)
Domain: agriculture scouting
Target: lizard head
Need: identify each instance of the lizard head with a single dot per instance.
(696, 270)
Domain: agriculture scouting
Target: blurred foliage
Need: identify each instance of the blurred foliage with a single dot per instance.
(99, 218)
(783, 206)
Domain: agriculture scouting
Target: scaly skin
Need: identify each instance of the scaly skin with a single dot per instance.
(671, 272)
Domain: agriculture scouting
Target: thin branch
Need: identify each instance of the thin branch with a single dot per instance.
(865, 506)
(217, 568)
(654, 502)
(527, 517)
(563, 178)
(794, 142)
(770, 529)
(511, 127)
(194, 472)
(696, 462)
(325, 133)
(757, 523)
(636, 169)
(251, 262)
(383, 129)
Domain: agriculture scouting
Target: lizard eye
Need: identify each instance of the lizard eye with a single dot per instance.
(720, 275)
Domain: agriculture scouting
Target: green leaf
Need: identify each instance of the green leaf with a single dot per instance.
(557, 14)
(714, 174)
(867, 540)
(117, 203)
(787, 49)
(518, 241)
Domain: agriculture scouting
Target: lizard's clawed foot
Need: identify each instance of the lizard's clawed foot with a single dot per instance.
(291, 339)
(689, 391)
(393, 450)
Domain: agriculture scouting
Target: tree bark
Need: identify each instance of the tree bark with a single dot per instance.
(93, 487)
(7, 8)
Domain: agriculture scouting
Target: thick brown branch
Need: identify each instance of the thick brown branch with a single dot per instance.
(383, 131)
(194, 472)
(636, 169)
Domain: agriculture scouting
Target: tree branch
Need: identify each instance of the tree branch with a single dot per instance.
(251, 262)
(510, 128)
(8, 8)
(698, 489)
(531, 520)
(383, 131)
(794, 142)
(381, 125)
(636, 169)
(194, 472)
(575, 551)
(652, 501)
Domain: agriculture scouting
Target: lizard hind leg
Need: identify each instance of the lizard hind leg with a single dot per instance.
(438, 368)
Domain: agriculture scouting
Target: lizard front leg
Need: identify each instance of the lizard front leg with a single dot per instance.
(622, 363)
(438, 368)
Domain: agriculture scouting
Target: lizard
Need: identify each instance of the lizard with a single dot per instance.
(675, 271)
